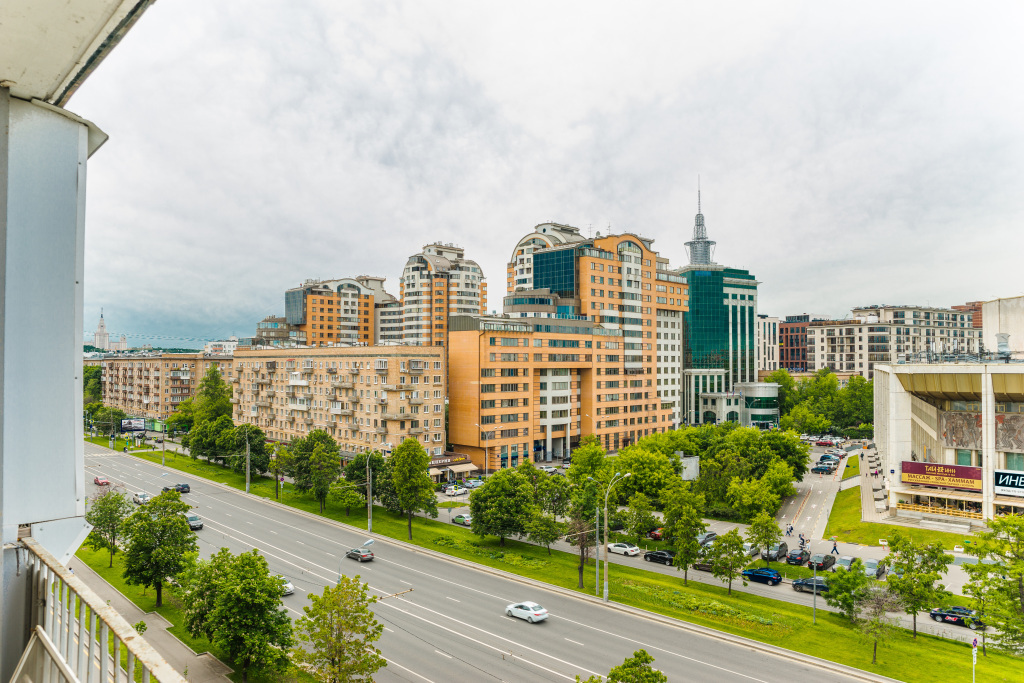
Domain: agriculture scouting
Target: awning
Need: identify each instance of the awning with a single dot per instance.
(434, 472)
(1008, 500)
(941, 493)
(463, 467)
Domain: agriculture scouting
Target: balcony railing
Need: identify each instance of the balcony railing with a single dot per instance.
(76, 636)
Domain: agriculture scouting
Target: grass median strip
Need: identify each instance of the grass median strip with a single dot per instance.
(767, 620)
(852, 467)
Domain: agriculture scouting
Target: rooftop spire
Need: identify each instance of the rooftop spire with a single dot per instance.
(700, 247)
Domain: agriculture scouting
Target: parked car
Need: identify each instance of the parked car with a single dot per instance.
(706, 537)
(763, 575)
(811, 585)
(141, 498)
(547, 468)
(961, 616)
(845, 562)
(456, 491)
(195, 522)
(624, 549)
(828, 458)
(530, 611)
(101, 481)
(776, 552)
(663, 556)
(821, 561)
(361, 554)
(180, 488)
(464, 520)
(822, 442)
(751, 550)
(474, 483)
(286, 585)
(798, 556)
(159, 440)
(657, 533)
(703, 562)
(822, 469)
(874, 568)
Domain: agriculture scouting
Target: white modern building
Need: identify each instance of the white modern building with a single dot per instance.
(950, 437)
(224, 347)
(767, 341)
(436, 283)
(1003, 321)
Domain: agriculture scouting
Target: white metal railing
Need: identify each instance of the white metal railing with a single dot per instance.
(76, 637)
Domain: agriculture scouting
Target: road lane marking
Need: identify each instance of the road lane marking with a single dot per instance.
(573, 641)
(392, 662)
(452, 599)
(405, 582)
(443, 654)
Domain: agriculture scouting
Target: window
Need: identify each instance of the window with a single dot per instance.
(1015, 462)
(963, 457)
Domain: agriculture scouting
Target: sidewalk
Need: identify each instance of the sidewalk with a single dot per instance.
(204, 668)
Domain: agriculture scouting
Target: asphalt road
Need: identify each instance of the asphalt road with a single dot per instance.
(452, 626)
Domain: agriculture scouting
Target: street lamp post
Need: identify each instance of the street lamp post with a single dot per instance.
(617, 478)
(367, 544)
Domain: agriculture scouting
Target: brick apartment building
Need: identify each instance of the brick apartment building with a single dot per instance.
(153, 385)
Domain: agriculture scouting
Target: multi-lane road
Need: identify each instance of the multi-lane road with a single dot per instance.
(452, 626)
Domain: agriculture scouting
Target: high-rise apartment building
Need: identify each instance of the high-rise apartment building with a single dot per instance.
(793, 341)
(153, 385)
(767, 339)
(437, 283)
(974, 310)
(365, 397)
(341, 311)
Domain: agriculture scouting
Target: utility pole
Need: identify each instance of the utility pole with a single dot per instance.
(597, 556)
(369, 496)
(247, 461)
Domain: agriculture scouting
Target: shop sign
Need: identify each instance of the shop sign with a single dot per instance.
(448, 460)
(948, 476)
(1009, 483)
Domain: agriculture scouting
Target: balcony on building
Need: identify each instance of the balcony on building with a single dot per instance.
(332, 371)
(296, 380)
(391, 416)
(298, 406)
(341, 385)
(415, 401)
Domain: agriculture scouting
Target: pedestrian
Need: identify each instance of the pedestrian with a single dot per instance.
(835, 548)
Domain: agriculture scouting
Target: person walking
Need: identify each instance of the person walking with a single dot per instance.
(835, 548)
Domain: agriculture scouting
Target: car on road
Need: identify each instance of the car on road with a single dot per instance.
(663, 556)
(180, 488)
(548, 468)
(141, 498)
(821, 561)
(845, 562)
(823, 442)
(776, 552)
(286, 585)
(811, 585)
(195, 522)
(361, 554)
(763, 575)
(101, 481)
(464, 520)
(530, 611)
(657, 534)
(474, 483)
(456, 491)
(751, 550)
(961, 616)
(874, 568)
(624, 549)
(798, 556)
(822, 469)
(706, 537)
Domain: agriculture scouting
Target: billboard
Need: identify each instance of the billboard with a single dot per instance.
(950, 476)
(1009, 483)
(133, 424)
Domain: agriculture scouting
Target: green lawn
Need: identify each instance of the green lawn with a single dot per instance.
(852, 467)
(118, 444)
(145, 600)
(763, 619)
(788, 571)
(846, 525)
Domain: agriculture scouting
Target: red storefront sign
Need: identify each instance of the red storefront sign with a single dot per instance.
(949, 476)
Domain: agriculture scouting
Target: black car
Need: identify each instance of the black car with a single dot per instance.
(663, 556)
(822, 469)
(764, 575)
(706, 537)
(180, 488)
(776, 552)
(811, 585)
(961, 616)
(821, 561)
(798, 556)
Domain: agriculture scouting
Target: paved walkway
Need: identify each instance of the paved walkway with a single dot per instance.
(204, 668)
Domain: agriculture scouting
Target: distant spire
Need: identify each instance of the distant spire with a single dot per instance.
(698, 195)
(101, 308)
(701, 249)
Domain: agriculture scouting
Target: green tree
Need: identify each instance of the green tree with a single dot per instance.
(986, 588)
(92, 390)
(532, 474)
(917, 569)
(213, 397)
(848, 589)
(324, 468)
(207, 439)
(635, 669)
(259, 452)
(182, 419)
(787, 389)
(414, 489)
(355, 469)
(159, 543)
(587, 461)
(677, 498)
(301, 450)
(201, 582)
(1003, 543)
(554, 495)
(652, 472)
(763, 533)
(855, 403)
(503, 506)
(384, 488)
(788, 447)
(338, 632)
(727, 557)
(686, 526)
(875, 621)
(108, 511)
(580, 528)
(750, 497)
(248, 619)
(279, 464)
(804, 420)
(347, 496)
(544, 529)
(639, 516)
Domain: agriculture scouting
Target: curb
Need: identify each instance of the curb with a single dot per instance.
(834, 667)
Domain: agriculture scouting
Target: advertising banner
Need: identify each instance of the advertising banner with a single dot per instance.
(1009, 483)
(133, 424)
(951, 476)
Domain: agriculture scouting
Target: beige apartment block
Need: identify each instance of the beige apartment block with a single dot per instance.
(366, 397)
(153, 385)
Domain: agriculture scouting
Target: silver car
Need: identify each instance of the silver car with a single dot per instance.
(141, 498)
(530, 611)
(286, 585)
(845, 562)
(874, 568)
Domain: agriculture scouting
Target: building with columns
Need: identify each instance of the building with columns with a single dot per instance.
(767, 343)
(951, 439)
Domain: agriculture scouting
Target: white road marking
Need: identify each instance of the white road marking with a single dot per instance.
(452, 599)
(405, 582)
(392, 662)
(573, 641)
(443, 654)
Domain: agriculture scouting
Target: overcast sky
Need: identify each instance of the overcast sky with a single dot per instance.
(848, 154)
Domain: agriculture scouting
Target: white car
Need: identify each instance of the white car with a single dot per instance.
(547, 468)
(141, 498)
(286, 585)
(530, 611)
(456, 491)
(624, 549)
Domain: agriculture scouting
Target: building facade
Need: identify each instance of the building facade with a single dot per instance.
(274, 330)
(333, 312)
(224, 347)
(974, 310)
(951, 439)
(1003, 330)
(366, 397)
(793, 342)
(767, 340)
(153, 385)
(437, 283)
(101, 338)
